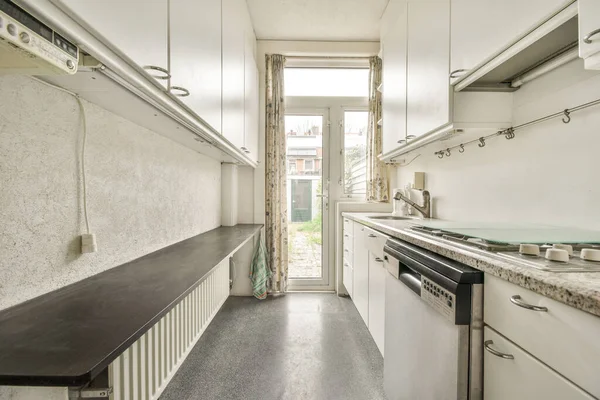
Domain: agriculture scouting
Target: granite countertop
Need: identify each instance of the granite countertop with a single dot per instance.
(579, 290)
(67, 337)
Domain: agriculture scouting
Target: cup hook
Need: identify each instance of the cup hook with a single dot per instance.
(567, 116)
(481, 142)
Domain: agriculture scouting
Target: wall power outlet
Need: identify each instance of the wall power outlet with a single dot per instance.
(88, 243)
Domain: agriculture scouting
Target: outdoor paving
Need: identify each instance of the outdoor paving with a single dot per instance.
(304, 258)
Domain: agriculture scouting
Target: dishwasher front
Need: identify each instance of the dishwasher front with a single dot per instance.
(433, 326)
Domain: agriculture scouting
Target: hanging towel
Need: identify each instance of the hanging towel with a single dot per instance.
(260, 272)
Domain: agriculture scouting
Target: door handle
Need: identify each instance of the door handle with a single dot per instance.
(379, 260)
(184, 91)
(495, 352)
(454, 73)
(165, 73)
(588, 38)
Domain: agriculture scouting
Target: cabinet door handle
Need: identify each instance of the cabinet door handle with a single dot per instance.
(346, 250)
(516, 300)
(184, 91)
(487, 344)
(372, 236)
(588, 38)
(346, 235)
(454, 73)
(378, 259)
(166, 74)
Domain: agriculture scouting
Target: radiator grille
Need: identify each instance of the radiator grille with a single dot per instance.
(143, 371)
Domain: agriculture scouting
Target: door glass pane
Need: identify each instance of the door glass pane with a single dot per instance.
(355, 152)
(304, 185)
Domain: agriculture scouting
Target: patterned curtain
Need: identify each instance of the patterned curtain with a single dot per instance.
(276, 230)
(377, 171)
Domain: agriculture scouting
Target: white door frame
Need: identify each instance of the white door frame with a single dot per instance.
(326, 280)
(333, 147)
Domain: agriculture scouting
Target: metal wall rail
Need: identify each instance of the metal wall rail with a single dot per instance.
(509, 133)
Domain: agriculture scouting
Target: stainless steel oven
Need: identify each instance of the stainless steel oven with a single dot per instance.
(433, 326)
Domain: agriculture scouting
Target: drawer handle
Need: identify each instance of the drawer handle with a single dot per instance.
(346, 235)
(456, 73)
(346, 250)
(516, 300)
(378, 259)
(165, 73)
(372, 236)
(487, 344)
(346, 265)
(184, 91)
(588, 38)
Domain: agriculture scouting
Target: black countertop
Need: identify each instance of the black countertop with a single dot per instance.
(67, 337)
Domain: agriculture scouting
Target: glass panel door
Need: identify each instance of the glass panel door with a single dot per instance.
(307, 189)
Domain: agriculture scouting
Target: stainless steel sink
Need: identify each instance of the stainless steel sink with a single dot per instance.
(391, 218)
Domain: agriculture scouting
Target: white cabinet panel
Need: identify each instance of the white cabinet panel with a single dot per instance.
(137, 28)
(482, 28)
(563, 337)
(589, 21)
(348, 277)
(522, 377)
(196, 56)
(233, 71)
(251, 99)
(361, 272)
(428, 89)
(375, 242)
(394, 82)
(377, 277)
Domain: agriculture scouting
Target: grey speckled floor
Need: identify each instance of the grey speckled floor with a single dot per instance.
(298, 346)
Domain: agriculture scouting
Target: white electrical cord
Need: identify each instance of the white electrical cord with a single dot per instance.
(83, 145)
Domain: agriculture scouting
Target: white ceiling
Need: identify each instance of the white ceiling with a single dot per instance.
(335, 20)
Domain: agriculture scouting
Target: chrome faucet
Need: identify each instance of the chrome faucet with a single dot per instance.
(425, 209)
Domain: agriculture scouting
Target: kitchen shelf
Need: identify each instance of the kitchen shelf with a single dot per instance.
(69, 336)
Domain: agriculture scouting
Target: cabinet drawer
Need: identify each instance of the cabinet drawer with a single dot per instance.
(348, 247)
(348, 226)
(375, 242)
(522, 377)
(562, 337)
(348, 279)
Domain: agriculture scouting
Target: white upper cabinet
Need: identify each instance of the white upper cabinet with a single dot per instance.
(393, 43)
(234, 14)
(428, 91)
(140, 36)
(482, 28)
(589, 33)
(195, 57)
(251, 99)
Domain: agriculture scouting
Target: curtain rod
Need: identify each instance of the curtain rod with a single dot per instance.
(326, 58)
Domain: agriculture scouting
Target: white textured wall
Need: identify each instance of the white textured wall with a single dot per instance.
(145, 192)
(548, 174)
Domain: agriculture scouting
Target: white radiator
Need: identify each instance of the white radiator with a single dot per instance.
(143, 371)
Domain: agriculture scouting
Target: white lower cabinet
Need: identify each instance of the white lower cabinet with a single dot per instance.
(361, 272)
(348, 278)
(377, 276)
(511, 373)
